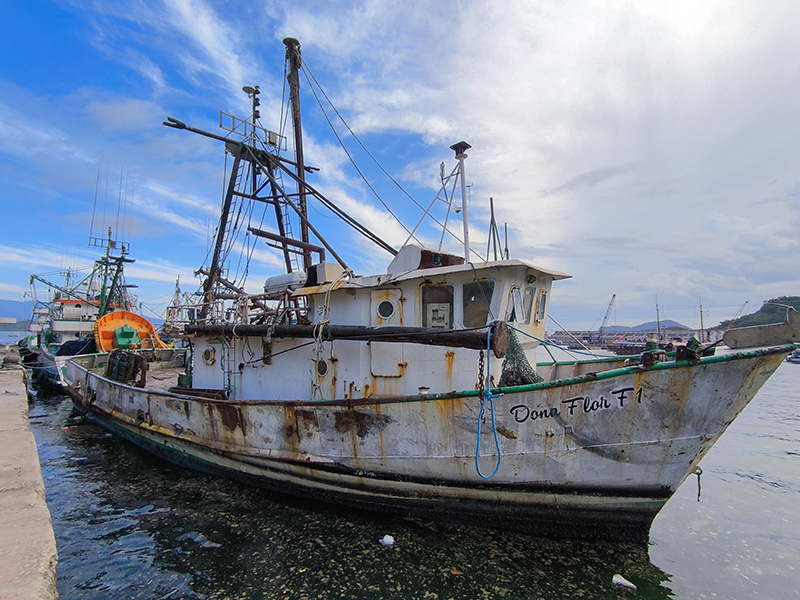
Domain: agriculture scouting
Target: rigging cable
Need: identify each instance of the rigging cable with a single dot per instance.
(349, 156)
(360, 143)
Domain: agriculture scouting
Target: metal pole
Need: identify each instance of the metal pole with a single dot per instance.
(293, 56)
(460, 148)
(214, 269)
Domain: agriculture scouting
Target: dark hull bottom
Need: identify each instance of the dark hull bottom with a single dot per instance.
(632, 526)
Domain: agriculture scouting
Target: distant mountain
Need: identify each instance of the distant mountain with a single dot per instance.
(16, 309)
(649, 326)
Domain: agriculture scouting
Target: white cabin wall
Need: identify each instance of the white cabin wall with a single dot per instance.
(357, 369)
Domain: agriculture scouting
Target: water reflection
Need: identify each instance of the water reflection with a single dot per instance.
(131, 526)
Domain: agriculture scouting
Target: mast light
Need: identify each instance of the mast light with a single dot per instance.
(460, 148)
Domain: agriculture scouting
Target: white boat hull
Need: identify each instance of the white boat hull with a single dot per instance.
(596, 455)
(757, 336)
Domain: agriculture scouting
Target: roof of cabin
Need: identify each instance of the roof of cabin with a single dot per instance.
(373, 281)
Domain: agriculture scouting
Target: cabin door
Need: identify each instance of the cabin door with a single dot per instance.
(386, 358)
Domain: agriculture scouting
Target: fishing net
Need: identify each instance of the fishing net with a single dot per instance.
(516, 368)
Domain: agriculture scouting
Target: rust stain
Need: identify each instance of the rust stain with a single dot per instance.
(231, 418)
(290, 432)
(379, 415)
(506, 433)
(354, 445)
(306, 422)
(212, 421)
(449, 360)
(450, 412)
(360, 422)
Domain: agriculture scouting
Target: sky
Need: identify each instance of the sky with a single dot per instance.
(648, 149)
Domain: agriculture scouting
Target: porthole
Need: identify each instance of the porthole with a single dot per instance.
(209, 356)
(322, 368)
(385, 309)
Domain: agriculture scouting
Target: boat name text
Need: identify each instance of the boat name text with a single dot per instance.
(523, 413)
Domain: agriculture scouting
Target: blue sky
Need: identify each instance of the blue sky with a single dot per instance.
(648, 149)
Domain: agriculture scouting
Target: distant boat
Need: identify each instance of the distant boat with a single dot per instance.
(63, 322)
(411, 390)
(758, 336)
(794, 357)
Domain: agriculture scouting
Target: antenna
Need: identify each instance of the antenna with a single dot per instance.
(109, 242)
(460, 149)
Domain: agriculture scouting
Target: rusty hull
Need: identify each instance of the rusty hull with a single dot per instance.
(590, 456)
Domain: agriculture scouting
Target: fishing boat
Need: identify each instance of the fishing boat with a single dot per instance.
(416, 390)
(125, 330)
(64, 317)
(787, 332)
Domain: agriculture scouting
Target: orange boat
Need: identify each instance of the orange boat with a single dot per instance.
(125, 330)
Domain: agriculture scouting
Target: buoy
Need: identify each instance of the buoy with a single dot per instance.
(387, 540)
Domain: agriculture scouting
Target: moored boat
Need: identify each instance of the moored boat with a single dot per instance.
(63, 324)
(412, 390)
(787, 332)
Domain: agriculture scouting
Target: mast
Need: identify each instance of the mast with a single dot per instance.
(460, 148)
(658, 319)
(214, 269)
(293, 56)
(702, 325)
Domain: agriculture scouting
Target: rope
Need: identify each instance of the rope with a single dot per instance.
(545, 343)
(346, 151)
(488, 397)
(309, 77)
(572, 336)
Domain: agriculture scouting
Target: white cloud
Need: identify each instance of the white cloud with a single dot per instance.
(645, 148)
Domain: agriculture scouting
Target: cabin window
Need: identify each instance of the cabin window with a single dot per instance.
(477, 299)
(540, 309)
(527, 302)
(516, 312)
(521, 303)
(437, 306)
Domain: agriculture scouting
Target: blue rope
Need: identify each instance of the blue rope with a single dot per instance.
(488, 396)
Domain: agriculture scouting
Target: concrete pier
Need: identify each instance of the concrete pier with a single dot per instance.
(27, 545)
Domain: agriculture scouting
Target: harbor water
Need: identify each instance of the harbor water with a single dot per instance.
(128, 525)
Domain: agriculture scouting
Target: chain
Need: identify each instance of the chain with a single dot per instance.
(481, 363)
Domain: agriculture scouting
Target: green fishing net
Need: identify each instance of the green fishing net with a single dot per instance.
(516, 368)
